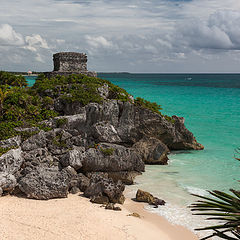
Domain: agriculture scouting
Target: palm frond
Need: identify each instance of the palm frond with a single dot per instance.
(223, 207)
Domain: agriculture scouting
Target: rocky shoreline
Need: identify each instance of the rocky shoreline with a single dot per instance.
(96, 149)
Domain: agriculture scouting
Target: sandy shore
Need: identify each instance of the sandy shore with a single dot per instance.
(75, 218)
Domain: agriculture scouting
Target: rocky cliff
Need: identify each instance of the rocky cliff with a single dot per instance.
(94, 147)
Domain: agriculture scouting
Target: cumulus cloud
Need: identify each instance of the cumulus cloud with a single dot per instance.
(221, 31)
(99, 41)
(15, 47)
(127, 35)
(9, 37)
(35, 42)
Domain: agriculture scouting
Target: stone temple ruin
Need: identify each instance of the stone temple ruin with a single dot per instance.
(67, 63)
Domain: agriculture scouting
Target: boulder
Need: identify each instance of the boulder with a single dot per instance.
(124, 176)
(79, 181)
(73, 158)
(36, 141)
(108, 111)
(103, 91)
(106, 157)
(99, 199)
(143, 196)
(45, 183)
(7, 182)
(83, 182)
(152, 151)
(39, 157)
(147, 197)
(100, 186)
(11, 161)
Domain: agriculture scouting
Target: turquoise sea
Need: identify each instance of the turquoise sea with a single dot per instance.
(210, 104)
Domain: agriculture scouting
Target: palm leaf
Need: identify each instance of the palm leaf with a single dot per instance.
(223, 207)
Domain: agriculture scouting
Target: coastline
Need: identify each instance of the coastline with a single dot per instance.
(76, 217)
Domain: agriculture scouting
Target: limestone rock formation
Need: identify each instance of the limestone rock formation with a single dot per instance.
(95, 147)
(102, 190)
(45, 183)
(142, 196)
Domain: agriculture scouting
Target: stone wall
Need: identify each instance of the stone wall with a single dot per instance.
(67, 63)
(70, 62)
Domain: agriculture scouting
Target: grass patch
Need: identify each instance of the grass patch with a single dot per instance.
(4, 150)
(61, 122)
(107, 151)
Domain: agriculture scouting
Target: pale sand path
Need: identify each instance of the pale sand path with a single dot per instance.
(75, 218)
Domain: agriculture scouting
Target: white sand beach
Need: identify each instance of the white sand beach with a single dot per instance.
(76, 218)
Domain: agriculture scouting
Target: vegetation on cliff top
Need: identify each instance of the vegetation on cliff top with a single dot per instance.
(22, 106)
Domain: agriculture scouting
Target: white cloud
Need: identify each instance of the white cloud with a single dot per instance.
(98, 42)
(35, 42)
(9, 37)
(221, 31)
(161, 34)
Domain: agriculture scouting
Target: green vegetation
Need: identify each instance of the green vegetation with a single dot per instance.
(4, 150)
(223, 207)
(78, 88)
(12, 80)
(59, 142)
(149, 105)
(61, 122)
(22, 106)
(154, 107)
(107, 151)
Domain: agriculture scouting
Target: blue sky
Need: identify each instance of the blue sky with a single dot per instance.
(126, 35)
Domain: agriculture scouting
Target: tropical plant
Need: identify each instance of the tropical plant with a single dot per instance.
(223, 207)
(3, 95)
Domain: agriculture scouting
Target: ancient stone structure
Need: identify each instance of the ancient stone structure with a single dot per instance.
(66, 63)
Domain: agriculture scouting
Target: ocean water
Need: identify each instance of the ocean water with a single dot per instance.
(210, 104)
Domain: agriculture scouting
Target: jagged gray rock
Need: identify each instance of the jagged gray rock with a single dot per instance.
(7, 182)
(11, 161)
(37, 141)
(73, 158)
(105, 132)
(100, 186)
(11, 142)
(45, 183)
(108, 157)
(90, 149)
(152, 150)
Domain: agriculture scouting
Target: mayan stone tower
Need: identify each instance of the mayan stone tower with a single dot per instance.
(66, 63)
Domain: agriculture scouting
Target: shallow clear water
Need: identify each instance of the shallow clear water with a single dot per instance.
(211, 108)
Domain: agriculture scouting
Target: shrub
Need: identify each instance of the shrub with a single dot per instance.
(4, 150)
(12, 80)
(61, 122)
(154, 107)
(107, 151)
